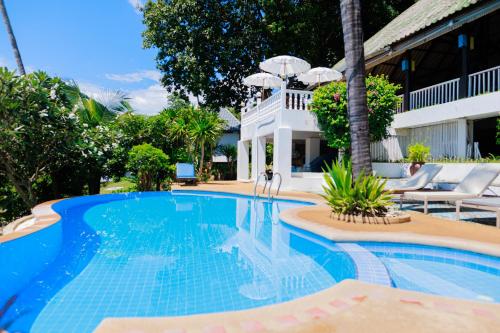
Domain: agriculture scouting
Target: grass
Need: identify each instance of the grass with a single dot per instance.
(123, 185)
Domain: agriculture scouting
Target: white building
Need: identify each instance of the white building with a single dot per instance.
(446, 56)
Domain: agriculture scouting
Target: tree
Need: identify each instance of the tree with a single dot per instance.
(150, 165)
(207, 47)
(38, 129)
(205, 130)
(231, 153)
(356, 89)
(12, 38)
(330, 107)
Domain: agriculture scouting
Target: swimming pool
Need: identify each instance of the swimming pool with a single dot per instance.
(182, 253)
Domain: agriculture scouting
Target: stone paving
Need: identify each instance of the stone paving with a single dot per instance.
(447, 211)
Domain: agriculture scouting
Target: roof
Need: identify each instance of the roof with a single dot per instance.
(233, 124)
(419, 16)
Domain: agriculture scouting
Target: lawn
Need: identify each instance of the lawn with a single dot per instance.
(123, 185)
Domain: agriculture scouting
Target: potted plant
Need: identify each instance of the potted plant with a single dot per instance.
(418, 154)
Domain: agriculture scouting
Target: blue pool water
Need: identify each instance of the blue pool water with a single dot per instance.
(169, 254)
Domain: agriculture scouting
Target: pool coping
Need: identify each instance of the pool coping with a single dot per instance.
(44, 215)
(291, 217)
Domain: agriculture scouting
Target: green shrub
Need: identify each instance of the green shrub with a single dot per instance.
(363, 196)
(150, 166)
(330, 107)
(418, 152)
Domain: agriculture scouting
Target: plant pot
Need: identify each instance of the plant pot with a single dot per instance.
(269, 174)
(389, 219)
(415, 166)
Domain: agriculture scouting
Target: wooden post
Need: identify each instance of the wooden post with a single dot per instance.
(463, 46)
(406, 68)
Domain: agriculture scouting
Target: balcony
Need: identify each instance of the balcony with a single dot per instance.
(479, 83)
(292, 109)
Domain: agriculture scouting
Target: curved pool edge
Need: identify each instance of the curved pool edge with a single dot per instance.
(291, 217)
(44, 216)
(349, 306)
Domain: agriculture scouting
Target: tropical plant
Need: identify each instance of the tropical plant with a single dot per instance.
(418, 152)
(362, 195)
(205, 130)
(498, 131)
(150, 165)
(330, 107)
(231, 153)
(12, 38)
(352, 28)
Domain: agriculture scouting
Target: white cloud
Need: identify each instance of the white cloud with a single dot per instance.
(137, 4)
(148, 101)
(135, 76)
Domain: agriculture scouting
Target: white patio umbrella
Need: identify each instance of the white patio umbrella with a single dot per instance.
(264, 80)
(319, 75)
(285, 66)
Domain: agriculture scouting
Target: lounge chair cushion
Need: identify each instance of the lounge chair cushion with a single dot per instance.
(185, 171)
(493, 202)
(478, 180)
(419, 180)
(438, 196)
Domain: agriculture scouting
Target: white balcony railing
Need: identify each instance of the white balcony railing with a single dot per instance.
(483, 82)
(298, 100)
(270, 105)
(399, 105)
(437, 94)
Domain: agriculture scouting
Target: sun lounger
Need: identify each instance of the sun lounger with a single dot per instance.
(472, 186)
(185, 173)
(418, 181)
(484, 203)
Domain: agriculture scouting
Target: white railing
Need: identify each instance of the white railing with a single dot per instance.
(298, 100)
(484, 82)
(270, 105)
(437, 94)
(399, 105)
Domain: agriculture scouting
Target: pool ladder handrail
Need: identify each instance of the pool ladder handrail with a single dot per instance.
(257, 182)
(271, 185)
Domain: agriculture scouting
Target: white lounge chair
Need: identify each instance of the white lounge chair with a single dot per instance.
(418, 181)
(485, 203)
(472, 186)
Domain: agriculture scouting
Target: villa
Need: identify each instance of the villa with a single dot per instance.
(445, 56)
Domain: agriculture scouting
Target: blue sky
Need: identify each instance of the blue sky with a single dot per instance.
(97, 43)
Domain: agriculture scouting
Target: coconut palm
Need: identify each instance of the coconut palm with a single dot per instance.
(356, 88)
(205, 130)
(12, 38)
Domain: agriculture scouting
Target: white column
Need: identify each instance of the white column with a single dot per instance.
(243, 160)
(282, 153)
(312, 149)
(258, 156)
(462, 138)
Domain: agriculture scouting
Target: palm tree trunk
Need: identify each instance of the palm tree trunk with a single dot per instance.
(12, 38)
(356, 87)
(200, 171)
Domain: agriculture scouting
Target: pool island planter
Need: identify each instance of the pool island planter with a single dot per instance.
(360, 219)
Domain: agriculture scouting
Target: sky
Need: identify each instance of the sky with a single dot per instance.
(96, 43)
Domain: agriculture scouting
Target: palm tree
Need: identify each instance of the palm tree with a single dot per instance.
(356, 87)
(231, 153)
(12, 38)
(206, 129)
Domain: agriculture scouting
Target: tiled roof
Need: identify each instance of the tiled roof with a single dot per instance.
(233, 124)
(419, 16)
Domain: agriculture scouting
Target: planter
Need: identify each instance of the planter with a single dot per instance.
(388, 219)
(415, 166)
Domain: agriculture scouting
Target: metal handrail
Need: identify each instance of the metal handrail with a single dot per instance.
(271, 185)
(257, 182)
